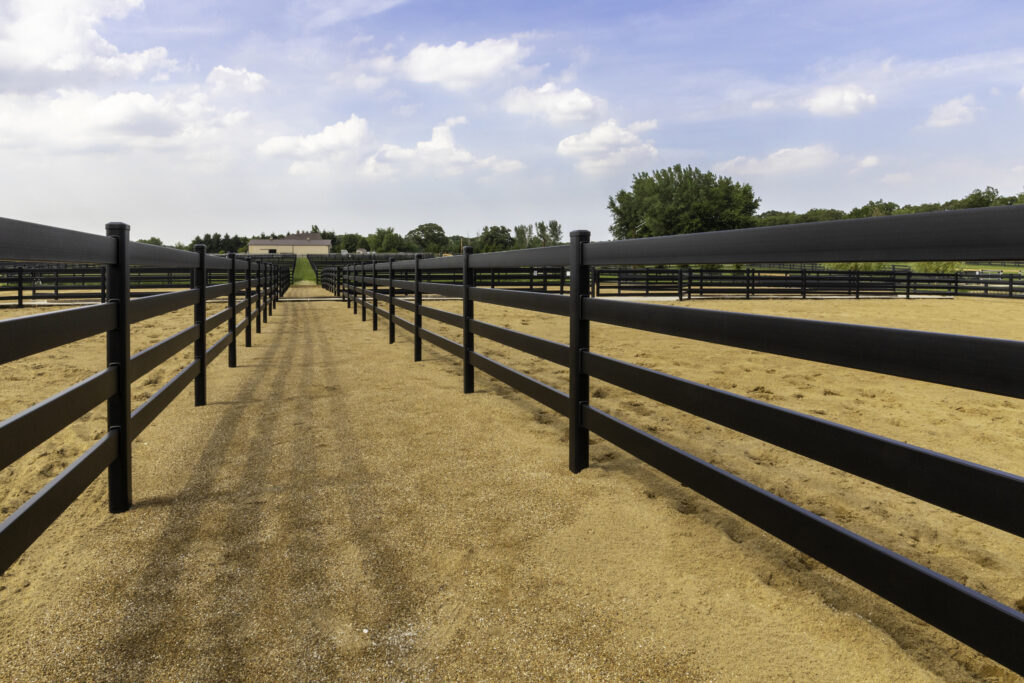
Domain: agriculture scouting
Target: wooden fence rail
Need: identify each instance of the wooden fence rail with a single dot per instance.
(251, 287)
(990, 365)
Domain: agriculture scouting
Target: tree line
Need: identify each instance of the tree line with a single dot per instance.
(425, 238)
(678, 200)
(668, 201)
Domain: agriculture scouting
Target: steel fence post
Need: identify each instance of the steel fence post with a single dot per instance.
(362, 291)
(21, 286)
(468, 280)
(119, 406)
(199, 348)
(579, 343)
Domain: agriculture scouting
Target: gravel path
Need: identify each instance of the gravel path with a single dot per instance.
(338, 512)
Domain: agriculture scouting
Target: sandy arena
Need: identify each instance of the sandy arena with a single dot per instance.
(338, 512)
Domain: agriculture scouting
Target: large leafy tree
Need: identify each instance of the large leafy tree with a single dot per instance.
(494, 238)
(386, 240)
(675, 200)
(428, 237)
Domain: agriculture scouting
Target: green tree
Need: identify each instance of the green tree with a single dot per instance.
(427, 237)
(153, 240)
(386, 240)
(524, 237)
(874, 208)
(677, 200)
(349, 242)
(456, 242)
(494, 238)
(549, 233)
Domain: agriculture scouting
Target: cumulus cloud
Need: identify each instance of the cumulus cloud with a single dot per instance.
(223, 79)
(82, 121)
(455, 67)
(57, 42)
(957, 111)
(341, 137)
(552, 103)
(608, 145)
(842, 100)
(870, 161)
(784, 160)
(1021, 93)
(439, 154)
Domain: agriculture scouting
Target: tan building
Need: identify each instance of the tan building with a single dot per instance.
(296, 243)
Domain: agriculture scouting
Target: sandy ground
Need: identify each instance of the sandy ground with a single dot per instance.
(340, 512)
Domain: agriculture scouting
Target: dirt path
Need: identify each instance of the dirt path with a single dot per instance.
(338, 512)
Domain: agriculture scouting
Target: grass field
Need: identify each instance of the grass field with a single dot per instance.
(304, 271)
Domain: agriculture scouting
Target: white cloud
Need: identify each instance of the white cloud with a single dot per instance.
(82, 121)
(440, 154)
(957, 111)
(1021, 93)
(461, 66)
(57, 42)
(897, 178)
(870, 161)
(841, 100)
(548, 101)
(784, 160)
(367, 82)
(329, 12)
(343, 136)
(608, 145)
(225, 79)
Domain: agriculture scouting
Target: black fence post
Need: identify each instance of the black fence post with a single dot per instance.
(417, 298)
(373, 293)
(264, 284)
(232, 321)
(679, 284)
(352, 282)
(362, 292)
(199, 348)
(21, 286)
(579, 343)
(248, 302)
(119, 406)
(391, 300)
(468, 280)
(908, 284)
(271, 288)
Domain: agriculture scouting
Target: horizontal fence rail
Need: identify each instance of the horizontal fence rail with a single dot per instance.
(118, 269)
(567, 279)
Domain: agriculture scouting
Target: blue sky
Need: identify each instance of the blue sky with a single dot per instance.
(189, 117)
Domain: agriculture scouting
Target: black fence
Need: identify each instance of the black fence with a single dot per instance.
(995, 366)
(249, 289)
(320, 262)
(21, 282)
(695, 283)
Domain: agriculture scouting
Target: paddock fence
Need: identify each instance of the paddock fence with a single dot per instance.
(21, 282)
(249, 288)
(995, 366)
(683, 282)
